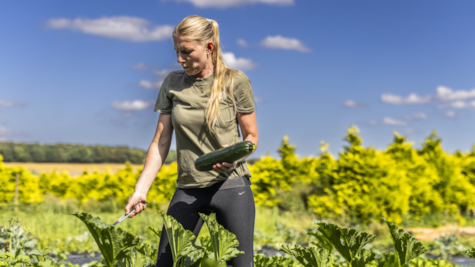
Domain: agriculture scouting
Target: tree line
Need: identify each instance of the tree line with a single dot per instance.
(68, 153)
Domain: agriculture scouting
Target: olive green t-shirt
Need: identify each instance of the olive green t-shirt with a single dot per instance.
(186, 98)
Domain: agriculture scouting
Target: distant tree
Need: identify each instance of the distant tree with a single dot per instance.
(68, 153)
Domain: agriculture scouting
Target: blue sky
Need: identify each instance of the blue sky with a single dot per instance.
(88, 72)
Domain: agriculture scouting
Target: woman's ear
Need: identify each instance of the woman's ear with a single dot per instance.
(210, 46)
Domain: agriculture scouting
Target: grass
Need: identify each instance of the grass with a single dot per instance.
(55, 229)
(72, 168)
(51, 223)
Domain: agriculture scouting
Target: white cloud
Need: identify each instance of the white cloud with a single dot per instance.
(447, 94)
(238, 63)
(411, 99)
(242, 42)
(157, 84)
(396, 122)
(417, 116)
(161, 73)
(150, 85)
(353, 104)
(131, 105)
(459, 104)
(123, 28)
(11, 104)
(284, 43)
(450, 114)
(372, 122)
(231, 3)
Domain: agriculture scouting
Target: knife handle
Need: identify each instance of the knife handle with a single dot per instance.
(133, 208)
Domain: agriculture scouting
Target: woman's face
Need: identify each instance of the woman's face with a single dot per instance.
(194, 57)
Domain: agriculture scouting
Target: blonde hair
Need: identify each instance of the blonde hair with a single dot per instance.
(202, 30)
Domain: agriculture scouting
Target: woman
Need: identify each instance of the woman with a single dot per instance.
(206, 104)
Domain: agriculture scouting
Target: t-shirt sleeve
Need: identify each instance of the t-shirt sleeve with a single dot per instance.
(164, 103)
(243, 94)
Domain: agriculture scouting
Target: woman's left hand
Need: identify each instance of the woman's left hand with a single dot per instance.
(224, 166)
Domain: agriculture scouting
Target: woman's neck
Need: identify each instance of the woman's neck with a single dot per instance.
(206, 72)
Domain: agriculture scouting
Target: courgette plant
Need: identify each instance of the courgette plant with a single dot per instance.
(118, 247)
(215, 250)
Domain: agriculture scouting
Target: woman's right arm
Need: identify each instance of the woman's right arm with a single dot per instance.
(156, 155)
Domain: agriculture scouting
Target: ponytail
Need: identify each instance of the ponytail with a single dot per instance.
(219, 92)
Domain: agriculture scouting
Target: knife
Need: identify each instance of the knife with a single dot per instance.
(125, 216)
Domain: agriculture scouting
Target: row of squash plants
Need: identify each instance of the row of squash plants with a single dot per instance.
(361, 183)
(331, 246)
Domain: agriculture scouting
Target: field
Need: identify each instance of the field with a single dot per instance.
(74, 169)
(426, 191)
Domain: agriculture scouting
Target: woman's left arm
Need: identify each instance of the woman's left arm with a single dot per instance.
(248, 124)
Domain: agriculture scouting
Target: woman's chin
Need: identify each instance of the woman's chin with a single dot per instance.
(189, 71)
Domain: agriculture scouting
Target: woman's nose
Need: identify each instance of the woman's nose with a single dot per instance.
(180, 58)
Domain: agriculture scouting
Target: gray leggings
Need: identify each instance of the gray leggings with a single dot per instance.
(233, 203)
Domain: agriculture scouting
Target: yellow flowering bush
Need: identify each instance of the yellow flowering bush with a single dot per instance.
(362, 183)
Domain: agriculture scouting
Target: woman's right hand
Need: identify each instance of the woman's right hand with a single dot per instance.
(134, 199)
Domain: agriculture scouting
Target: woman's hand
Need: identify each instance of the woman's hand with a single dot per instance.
(225, 166)
(134, 199)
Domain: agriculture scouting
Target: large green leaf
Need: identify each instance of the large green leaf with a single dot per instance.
(178, 237)
(471, 253)
(348, 242)
(142, 255)
(274, 261)
(321, 241)
(156, 231)
(406, 246)
(224, 243)
(113, 242)
(363, 258)
(388, 260)
(309, 256)
(201, 250)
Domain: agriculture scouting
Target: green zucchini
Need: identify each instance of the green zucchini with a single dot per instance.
(226, 154)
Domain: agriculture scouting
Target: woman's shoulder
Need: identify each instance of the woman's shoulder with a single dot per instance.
(239, 75)
(176, 73)
(174, 77)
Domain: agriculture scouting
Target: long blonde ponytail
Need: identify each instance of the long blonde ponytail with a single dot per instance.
(202, 30)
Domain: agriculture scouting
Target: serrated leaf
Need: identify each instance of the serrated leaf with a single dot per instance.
(363, 258)
(274, 261)
(322, 242)
(471, 253)
(388, 260)
(178, 237)
(201, 249)
(224, 243)
(308, 257)
(156, 231)
(346, 241)
(142, 255)
(406, 246)
(113, 242)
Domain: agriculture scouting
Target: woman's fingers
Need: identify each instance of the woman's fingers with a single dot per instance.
(225, 166)
(133, 200)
